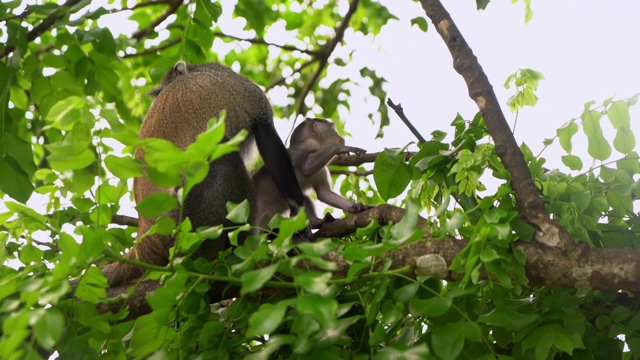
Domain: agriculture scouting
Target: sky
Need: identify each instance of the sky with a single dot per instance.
(586, 50)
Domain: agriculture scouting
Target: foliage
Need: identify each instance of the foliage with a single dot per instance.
(72, 105)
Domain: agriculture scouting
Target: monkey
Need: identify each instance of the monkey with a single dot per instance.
(313, 144)
(184, 101)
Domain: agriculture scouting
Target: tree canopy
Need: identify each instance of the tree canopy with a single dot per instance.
(543, 265)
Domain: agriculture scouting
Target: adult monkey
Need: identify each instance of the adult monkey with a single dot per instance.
(187, 97)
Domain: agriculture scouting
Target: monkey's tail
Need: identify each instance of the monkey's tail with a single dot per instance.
(277, 161)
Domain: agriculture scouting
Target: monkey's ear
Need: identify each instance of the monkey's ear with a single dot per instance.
(313, 125)
(180, 68)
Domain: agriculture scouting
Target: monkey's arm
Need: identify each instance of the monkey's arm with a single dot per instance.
(316, 160)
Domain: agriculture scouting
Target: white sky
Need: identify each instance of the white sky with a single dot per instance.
(587, 50)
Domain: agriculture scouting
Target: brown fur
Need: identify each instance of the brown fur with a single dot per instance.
(187, 98)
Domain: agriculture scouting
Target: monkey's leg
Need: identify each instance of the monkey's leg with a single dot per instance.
(327, 196)
(312, 215)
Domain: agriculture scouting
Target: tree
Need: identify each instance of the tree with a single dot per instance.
(545, 265)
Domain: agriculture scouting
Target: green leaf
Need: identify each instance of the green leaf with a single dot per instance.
(14, 181)
(415, 352)
(598, 147)
(68, 160)
(391, 173)
(407, 229)
(156, 204)
(581, 199)
(619, 201)
(509, 319)
(313, 282)
(572, 162)
(92, 286)
(124, 167)
(565, 134)
(406, 292)
(49, 328)
(104, 42)
(447, 341)
(421, 22)
(267, 319)
(21, 151)
(435, 307)
(147, 336)
(254, 280)
(238, 213)
(66, 113)
(618, 114)
(320, 308)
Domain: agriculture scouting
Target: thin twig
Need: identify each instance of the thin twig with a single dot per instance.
(264, 42)
(154, 49)
(282, 79)
(356, 160)
(141, 5)
(400, 112)
(46, 244)
(174, 5)
(356, 172)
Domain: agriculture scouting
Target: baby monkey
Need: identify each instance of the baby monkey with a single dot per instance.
(313, 144)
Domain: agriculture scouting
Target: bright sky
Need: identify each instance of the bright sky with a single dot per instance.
(587, 50)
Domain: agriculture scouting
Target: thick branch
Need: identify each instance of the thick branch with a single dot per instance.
(384, 214)
(547, 265)
(481, 91)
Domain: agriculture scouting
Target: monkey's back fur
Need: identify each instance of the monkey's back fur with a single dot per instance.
(187, 98)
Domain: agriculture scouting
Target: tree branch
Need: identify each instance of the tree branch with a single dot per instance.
(282, 79)
(43, 26)
(480, 90)
(356, 172)
(546, 265)
(155, 49)
(400, 112)
(324, 55)
(124, 220)
(173, 7)
(356, 160)
(264, 42)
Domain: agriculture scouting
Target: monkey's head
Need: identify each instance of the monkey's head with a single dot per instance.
(321, 130)
(179, 69)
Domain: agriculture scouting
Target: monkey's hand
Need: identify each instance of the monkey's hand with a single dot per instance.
(358, 207)
(355, 150)
(327, 219)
